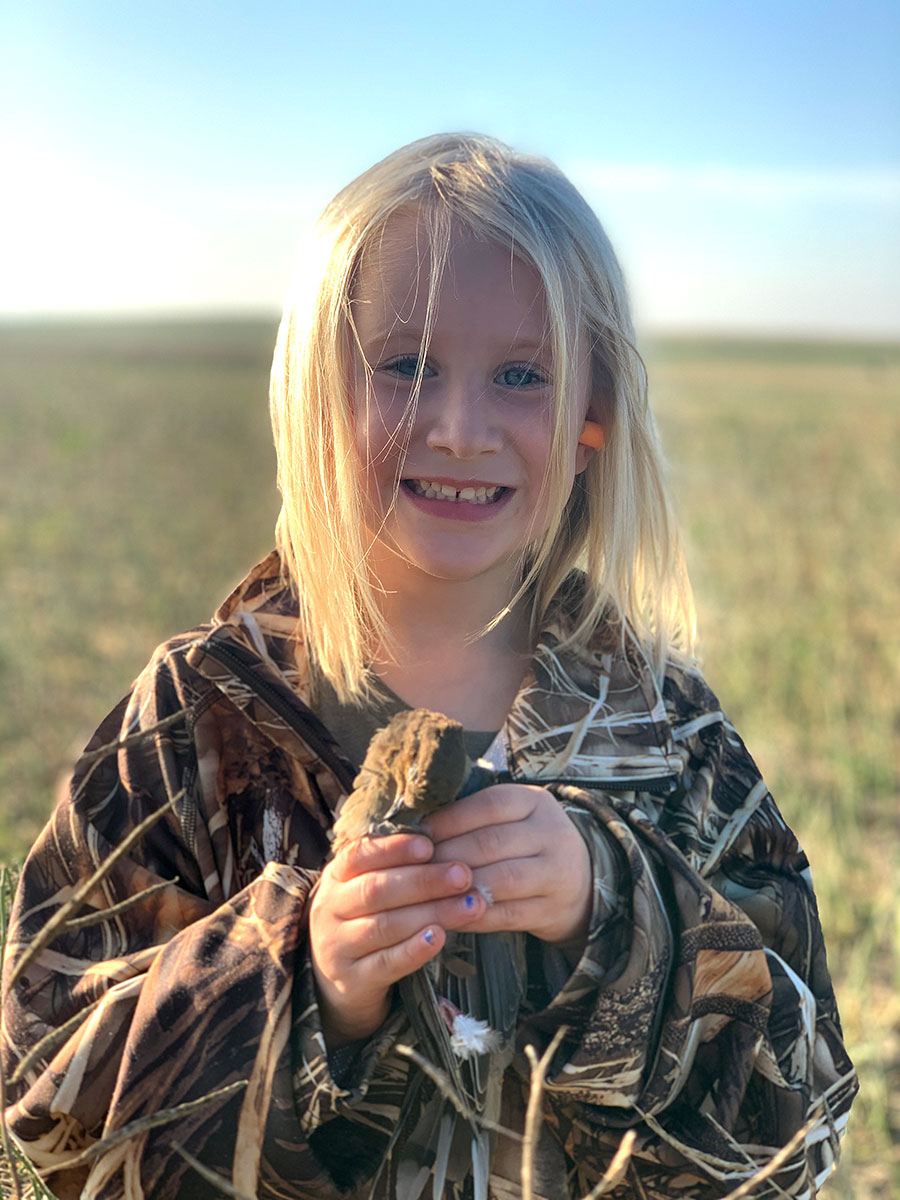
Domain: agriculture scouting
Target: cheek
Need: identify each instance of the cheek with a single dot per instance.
(550, 492)
(381, 420)
(369, 445)
(536, 441)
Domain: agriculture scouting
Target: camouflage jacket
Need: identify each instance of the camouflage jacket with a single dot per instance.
(701, 1013)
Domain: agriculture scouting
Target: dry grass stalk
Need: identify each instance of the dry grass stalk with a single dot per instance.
(164, 1117)
(10, 1173)
(134, 739)
(533, 1110)
(96, 757)
(53, 1038)
(715, 1166)
(60, 918)
(64, 919)
(615, 1172)
(778, 1160)
(212, 1176)
(16, 1180)
(6, 1141)
(437, 1077)
(104, 914)
(19, 1172)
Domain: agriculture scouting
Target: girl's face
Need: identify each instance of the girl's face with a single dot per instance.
(472, 464)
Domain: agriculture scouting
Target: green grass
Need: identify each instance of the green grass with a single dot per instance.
(136, 485)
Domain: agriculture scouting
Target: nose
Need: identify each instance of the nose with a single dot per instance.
(460, 421)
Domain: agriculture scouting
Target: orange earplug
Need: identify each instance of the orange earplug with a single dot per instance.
(592, 435)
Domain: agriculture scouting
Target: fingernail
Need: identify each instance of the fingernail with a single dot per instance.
(470, 902)
(421, 848)
(429, 936)
(457, 875)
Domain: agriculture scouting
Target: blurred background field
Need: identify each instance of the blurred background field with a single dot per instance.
(136, 486)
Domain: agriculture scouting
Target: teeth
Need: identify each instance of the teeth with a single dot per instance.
(446, 491)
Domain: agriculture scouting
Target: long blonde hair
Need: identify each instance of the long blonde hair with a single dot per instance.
(616, 523)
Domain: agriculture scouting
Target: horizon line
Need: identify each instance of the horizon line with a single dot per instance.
(193, 315)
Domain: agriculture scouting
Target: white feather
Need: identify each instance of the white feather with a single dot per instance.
(471, 1037)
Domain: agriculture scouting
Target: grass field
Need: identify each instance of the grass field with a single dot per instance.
(136, 485)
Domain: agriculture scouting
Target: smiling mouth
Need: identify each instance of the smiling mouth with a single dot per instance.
(445, 491)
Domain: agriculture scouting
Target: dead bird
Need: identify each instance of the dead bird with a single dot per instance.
(463, 1005)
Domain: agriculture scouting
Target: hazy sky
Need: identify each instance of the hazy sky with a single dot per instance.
(745, 158)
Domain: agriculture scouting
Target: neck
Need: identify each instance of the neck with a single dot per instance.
(437, 660)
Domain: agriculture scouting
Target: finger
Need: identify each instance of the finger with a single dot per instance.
(369, 934)
(532, 915)
(514, 879)
(511, 915)
(400, 887)
(491, 806)
(385, 967)
(381, 853)
(492, 843)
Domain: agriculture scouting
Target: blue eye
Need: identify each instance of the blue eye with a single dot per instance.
(406, 366)
(522, 377)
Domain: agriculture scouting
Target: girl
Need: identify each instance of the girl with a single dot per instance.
(475, 521)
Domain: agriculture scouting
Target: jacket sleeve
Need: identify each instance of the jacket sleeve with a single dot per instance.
(174, 982)
(701, 1013)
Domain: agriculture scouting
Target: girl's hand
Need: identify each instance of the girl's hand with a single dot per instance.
(528, 854)
(380, 912)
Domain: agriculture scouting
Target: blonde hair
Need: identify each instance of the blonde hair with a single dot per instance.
(616, 523)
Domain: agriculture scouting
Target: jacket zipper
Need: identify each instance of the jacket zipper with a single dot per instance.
(229, 658)
(660, 785)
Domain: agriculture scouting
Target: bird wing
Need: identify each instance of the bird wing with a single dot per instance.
(415, 765)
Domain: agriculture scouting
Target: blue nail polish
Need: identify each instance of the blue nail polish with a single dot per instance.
(470, 901)
(429, 936)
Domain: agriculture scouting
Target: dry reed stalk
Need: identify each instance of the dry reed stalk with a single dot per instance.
(533, 1109)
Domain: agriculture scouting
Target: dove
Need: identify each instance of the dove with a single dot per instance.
(463, 1005)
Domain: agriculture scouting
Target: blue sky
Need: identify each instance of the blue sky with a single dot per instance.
(168, 156)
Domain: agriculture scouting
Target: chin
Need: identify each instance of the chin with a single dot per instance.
(458, 567)
(455, 572)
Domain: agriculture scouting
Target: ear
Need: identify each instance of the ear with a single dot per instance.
(583, 455)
